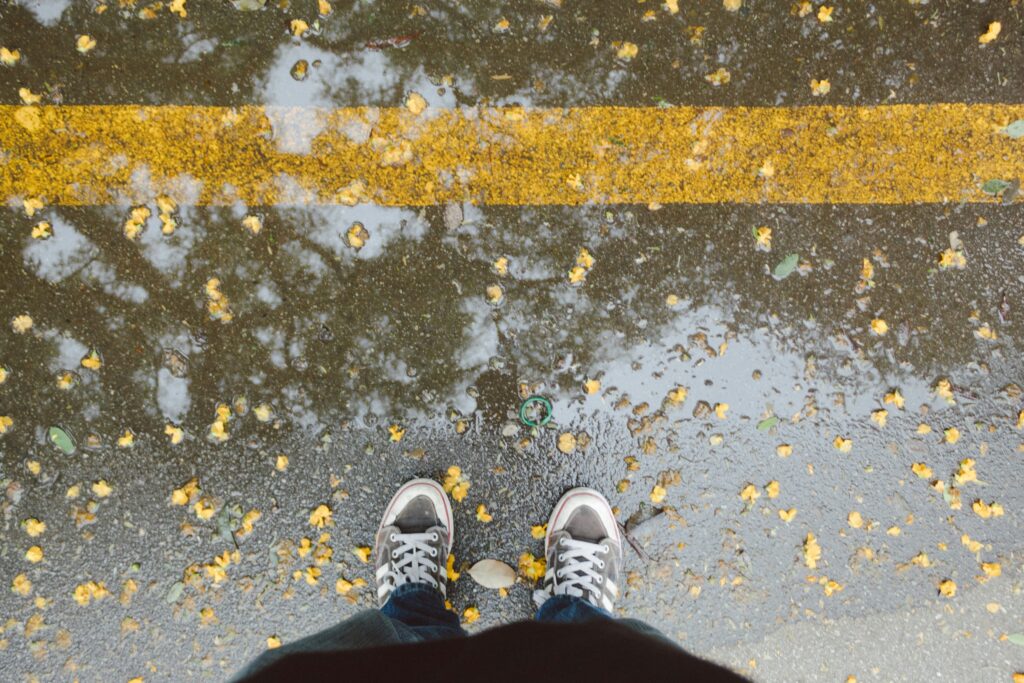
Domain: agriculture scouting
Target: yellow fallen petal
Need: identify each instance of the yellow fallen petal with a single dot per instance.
(577, 274)
(720, 410)
(9, 57)
(274, 641)
(85, 43)
(396, 433)
(787, 515)
(253, 224)
(658, 493)
(896, 398)
(567, 442)
(460, 491)
(855, 520)
(539, 531)
(357, 236)
(33, 527)
(677, 396)
(947, 588)
(591, 386)
(34, 554)
(363, 553)
(470, 614)
(321, 516)
(772, 489)
(21, 585)
(263, 412)
(991, 34)
(495, 294)
(844, 445)
(299, 27)
(992, 569)
(415, 103)
(28, 97)
(101, 489)
(204, 508)
(627, 51)
(281, 463)
(21, 324)
(584, 259)
(719, 77)
(450, 568)
(812, 551)
(951, 435)
(127, 439)
(921, 470)
(92, 361)
(176, 433)
(750, 493)
(784, 450)
(879, 326)
(482, 515)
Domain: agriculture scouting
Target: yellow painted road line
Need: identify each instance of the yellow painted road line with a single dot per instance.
(128, 154)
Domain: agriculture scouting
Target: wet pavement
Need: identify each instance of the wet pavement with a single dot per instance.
(808, 415)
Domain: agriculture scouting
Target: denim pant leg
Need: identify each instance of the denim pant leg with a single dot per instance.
(420, 609)
(412, 614)
(569, 609)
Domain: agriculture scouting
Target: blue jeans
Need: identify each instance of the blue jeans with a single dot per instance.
(415, 613)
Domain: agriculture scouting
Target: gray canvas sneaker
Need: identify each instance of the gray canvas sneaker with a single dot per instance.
(414, 538)
(583, 549)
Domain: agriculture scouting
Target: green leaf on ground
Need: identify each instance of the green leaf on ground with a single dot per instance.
(1015, 130)
(62, 440)
(1016, 638)
(767, 423)
(176, 590)
(786, 266)
(995, 186)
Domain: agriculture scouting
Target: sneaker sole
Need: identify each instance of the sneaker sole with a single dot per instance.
(571, 500)
(431, 488)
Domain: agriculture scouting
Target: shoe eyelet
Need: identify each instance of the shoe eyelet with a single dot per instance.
(561, 558)
(433, 552)
(394, 554)
(600, 579)
(604, 548)
(391, 538)
(433, 537)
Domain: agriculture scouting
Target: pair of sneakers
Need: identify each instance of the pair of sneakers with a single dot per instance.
(583, 547)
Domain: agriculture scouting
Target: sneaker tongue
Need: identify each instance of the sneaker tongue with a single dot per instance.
(584, 524)
(417, 516)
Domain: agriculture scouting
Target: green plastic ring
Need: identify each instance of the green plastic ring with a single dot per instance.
(549, 411)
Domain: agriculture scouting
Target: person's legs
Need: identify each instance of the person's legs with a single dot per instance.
(583, 549)
(421, 610)
(413, 540)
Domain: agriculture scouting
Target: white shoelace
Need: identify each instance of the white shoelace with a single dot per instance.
(410, 562)
(576, 574)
